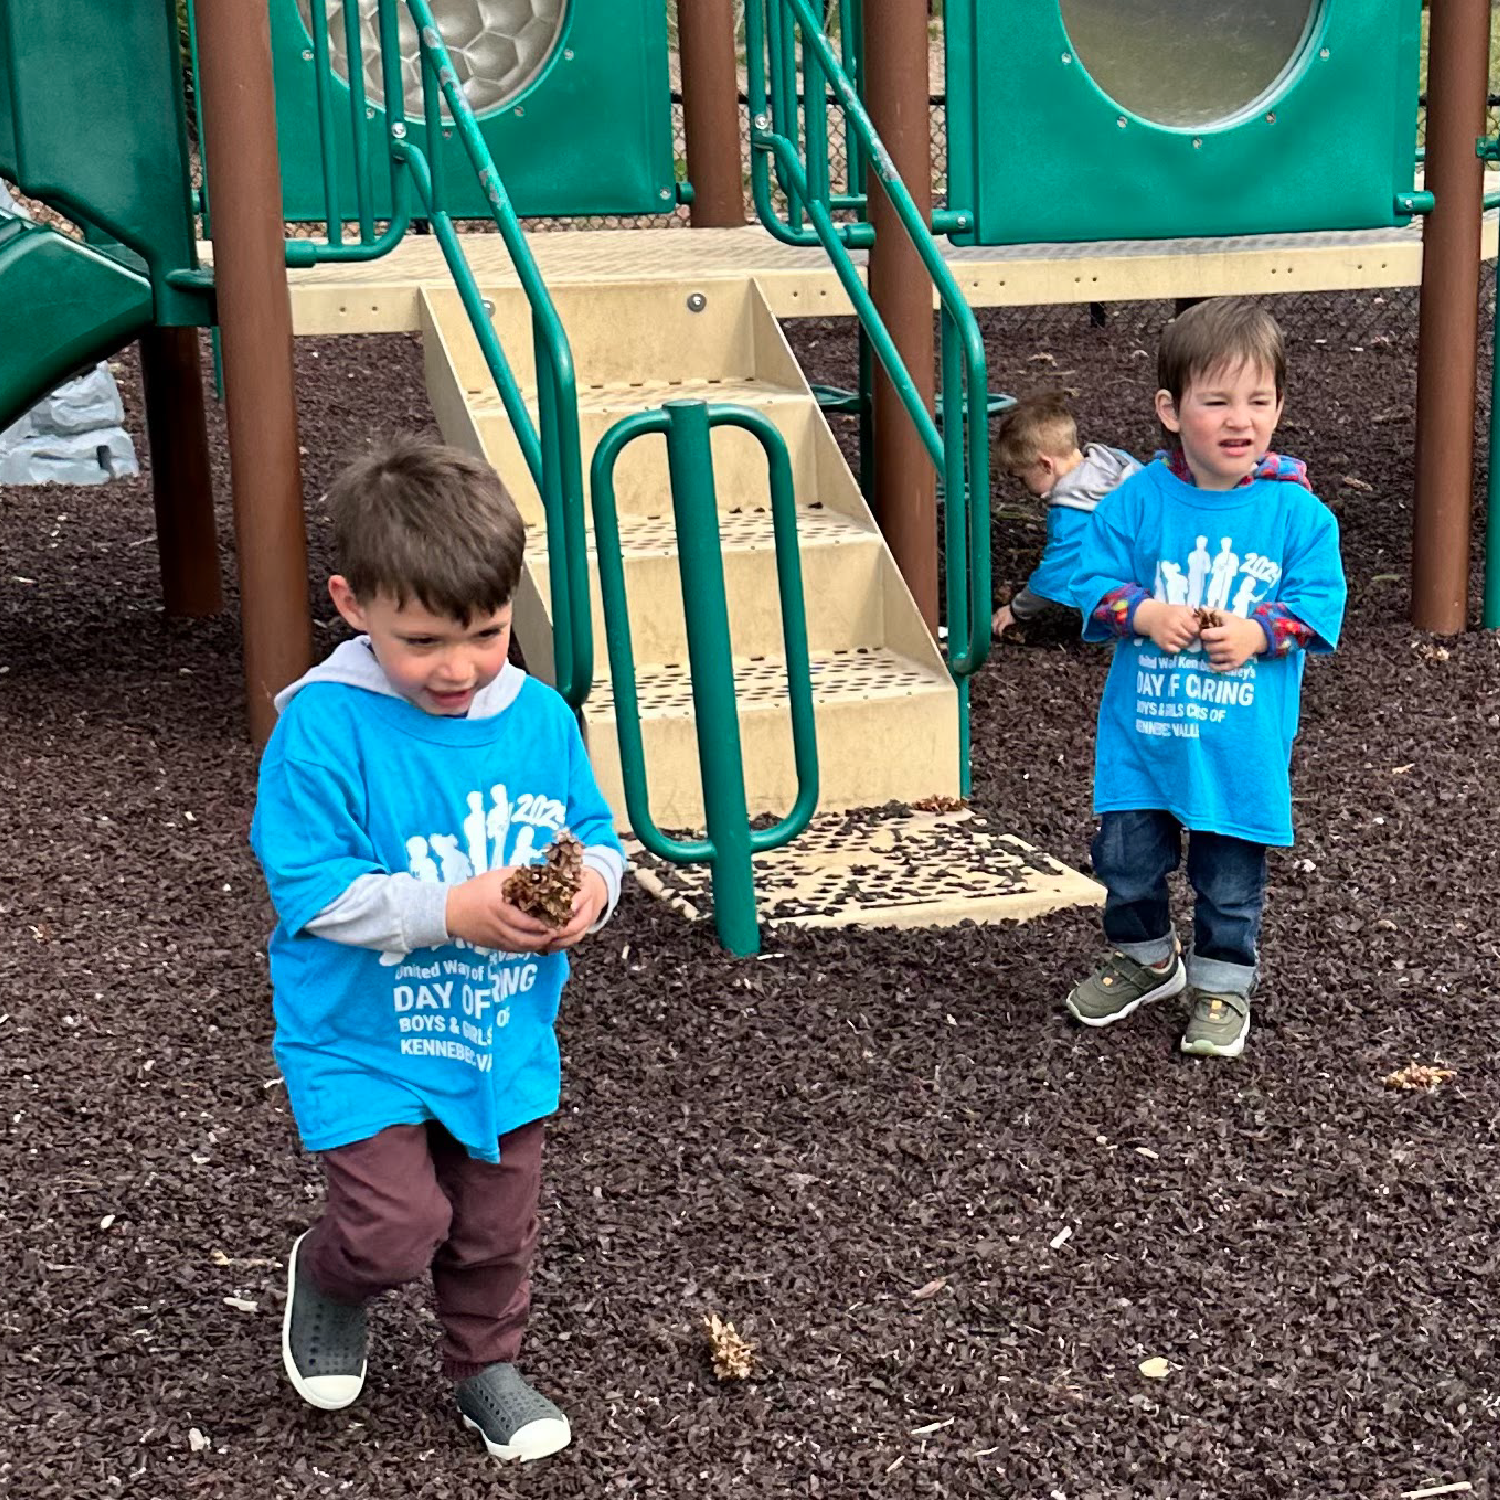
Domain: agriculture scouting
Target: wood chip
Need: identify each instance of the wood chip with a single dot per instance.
(932, 1427)
(1154, 1369)
(932, 1288)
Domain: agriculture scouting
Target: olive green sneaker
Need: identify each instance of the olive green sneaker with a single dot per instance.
(1218, 1026)
(1120, 985)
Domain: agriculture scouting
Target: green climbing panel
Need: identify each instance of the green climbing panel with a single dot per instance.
(573, 99)
(1086, 120)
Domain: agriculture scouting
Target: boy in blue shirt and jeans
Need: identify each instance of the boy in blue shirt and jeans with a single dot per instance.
(407, 775)
(1214, 571)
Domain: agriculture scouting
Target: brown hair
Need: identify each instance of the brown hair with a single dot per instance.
(1220, 333)
(1034, 426)
(416, 520)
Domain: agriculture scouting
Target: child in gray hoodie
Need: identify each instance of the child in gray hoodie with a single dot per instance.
(1037, 443)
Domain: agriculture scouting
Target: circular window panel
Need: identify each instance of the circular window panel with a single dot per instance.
(1187, 63)
(497, 46)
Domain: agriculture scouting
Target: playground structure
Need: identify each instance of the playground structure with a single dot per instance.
(549, 353)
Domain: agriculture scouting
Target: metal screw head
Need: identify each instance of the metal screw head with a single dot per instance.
(696, 302)
(307, 56)
(1323, 53)
(762, 122)
(369, 111)
(489, 307)
(398, 129)
(519, 111)
(1197, 143)
(665, 195)
(567, 54)
(1067, 57)
(1270, 117)
(1121, 122)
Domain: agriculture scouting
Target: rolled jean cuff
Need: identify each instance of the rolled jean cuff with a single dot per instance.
(1220, 977)
(1158, 950)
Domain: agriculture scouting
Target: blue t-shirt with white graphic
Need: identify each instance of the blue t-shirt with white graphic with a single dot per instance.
(356, 783)
(1212, 748)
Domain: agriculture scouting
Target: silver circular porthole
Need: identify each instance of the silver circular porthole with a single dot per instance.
(497, 46)
(1188, 63)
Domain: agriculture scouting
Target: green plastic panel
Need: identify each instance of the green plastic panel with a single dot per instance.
(94, 124)
(1317, 129)
(589, 133)
(80, 306)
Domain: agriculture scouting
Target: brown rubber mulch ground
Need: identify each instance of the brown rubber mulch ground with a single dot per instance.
(953, 1226)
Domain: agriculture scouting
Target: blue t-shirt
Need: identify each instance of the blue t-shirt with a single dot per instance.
(1212, 748)
(1053, 578)
(356, 783)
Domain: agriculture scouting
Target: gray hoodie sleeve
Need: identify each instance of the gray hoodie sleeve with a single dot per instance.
(395, 913)
(611, 870)
(399, 913)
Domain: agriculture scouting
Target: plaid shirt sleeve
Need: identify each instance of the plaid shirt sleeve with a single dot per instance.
(1115, 612)
(1285, 633)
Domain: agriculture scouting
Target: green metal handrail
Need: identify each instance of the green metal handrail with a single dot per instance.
(960, 451)
(551, 446)
(730, 841)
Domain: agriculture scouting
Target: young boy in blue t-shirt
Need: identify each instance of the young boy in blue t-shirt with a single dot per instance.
(1215, 570)
(408, 774)
(1037, 443)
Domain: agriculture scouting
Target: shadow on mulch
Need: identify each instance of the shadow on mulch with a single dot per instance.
(953, 1226)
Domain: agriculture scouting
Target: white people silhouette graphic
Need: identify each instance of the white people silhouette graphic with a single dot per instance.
(1226, 565)
(1199, 562)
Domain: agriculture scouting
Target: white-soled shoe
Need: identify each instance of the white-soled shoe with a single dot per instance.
(514, 1420)
(323, 1342)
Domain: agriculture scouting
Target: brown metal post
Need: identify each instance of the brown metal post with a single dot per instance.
(181, 479)
(905, 498)
(1447, 357)
(239, 140)
(711, 112)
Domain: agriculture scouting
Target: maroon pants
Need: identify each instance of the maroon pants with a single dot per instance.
(411, 1197)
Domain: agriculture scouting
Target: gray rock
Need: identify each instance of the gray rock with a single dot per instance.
(69, 458)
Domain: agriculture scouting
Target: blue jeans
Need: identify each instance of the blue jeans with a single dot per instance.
(1134, 852)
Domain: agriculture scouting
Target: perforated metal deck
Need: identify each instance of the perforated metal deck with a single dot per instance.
(887, 868)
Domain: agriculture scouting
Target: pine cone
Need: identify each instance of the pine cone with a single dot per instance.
(1208, 618)
(546, 891)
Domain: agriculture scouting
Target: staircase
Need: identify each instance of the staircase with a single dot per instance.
(887, 710)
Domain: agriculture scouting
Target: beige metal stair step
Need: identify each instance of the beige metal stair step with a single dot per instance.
(858, 675)
(746, 529)
(618, 398)
(841, 559)
(882, 867)
(886, 723)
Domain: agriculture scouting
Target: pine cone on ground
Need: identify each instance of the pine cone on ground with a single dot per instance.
(546, 891)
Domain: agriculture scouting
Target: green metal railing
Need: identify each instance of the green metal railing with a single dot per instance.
(960, 450)
(551, 444)
(730, 842)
